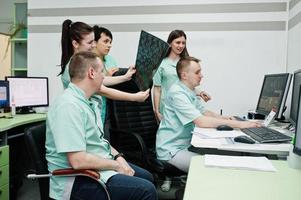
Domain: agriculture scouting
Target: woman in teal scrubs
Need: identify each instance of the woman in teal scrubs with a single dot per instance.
(103, 38)
(166, 74)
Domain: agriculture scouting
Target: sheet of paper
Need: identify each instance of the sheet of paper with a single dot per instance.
(213, 133)
(239, 162)
(199, 142)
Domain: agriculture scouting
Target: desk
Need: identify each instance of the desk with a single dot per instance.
(18, 120)
(230, 184)
(7, 124)
(279, 149)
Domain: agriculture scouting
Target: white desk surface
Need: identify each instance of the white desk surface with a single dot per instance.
(231, 184)
(280, 149)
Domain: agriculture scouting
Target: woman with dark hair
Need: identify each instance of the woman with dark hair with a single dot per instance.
(103, 38)
(166, 74)
(79, 36)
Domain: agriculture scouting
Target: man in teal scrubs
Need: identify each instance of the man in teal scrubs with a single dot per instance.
(183, 111)
(75, 139)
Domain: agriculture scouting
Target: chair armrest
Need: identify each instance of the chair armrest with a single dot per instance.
(68, 172)
(76, 172)
(138, 138)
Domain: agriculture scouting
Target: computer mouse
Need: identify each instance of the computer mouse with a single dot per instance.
(224, 128)
(244, 139)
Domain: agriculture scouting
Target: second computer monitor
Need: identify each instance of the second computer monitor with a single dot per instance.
(297, 141)
(4, 94)
(295, 97)
(26, 92)
(273, 94)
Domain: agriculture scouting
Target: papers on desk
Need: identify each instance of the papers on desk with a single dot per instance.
(239, 162)
(210, 133)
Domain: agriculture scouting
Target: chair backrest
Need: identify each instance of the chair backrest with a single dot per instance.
(35, 138)
(137, 117)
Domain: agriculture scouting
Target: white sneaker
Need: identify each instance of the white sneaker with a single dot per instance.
(165, 187)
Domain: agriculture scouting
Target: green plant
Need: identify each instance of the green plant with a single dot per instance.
(13, 31)
(16, 28)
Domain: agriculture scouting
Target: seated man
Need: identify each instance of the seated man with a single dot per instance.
(183, 111)
(74, 138)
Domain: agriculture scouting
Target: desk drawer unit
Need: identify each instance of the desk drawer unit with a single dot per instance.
(4, 173)
(4, 192)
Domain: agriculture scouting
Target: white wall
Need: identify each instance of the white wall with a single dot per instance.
(294, 41)
(294, 38)
(237, 47)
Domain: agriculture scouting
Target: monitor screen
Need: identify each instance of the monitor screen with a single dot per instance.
(297, 141)
(295, 97)
(4, 94)
(273, 93)
(28, 91)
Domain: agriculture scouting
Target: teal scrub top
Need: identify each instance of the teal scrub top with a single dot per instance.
(165, 77)
(109, 62)
(65, 77)
(73, 124)
(182, 106)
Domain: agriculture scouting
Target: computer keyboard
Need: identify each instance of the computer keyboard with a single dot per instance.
(266, 135)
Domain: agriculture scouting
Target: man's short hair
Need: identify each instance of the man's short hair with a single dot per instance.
(184, 63)
(80, 62)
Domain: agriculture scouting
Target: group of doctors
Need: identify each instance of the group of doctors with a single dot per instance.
(74, 126)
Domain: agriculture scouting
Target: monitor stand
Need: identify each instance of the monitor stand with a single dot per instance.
(25, 110)
(2, 113)
(282, 118)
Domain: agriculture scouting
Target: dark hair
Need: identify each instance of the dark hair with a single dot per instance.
(80, 62)
(174, 35)
(71, 31)
(183, 63)
(98, 30)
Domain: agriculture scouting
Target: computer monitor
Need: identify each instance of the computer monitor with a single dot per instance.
(295, 97)
(28, 92)
(297, 141)
(273, 94)
(4, 94)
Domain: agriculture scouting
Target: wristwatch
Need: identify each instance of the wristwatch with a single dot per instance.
(118, 155)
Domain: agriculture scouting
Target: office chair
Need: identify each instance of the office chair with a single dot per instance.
(133, 129)
(35, 138)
